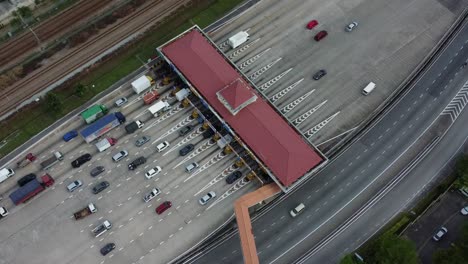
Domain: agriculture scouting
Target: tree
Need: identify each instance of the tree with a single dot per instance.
(348, 259)
(462, 172)
(53, 102)
(457, 254)
(80, 90)
(394, 249)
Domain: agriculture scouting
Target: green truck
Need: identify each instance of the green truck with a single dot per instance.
(94, 113)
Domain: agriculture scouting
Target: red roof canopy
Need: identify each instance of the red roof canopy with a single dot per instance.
(237, 93)
(269, 136)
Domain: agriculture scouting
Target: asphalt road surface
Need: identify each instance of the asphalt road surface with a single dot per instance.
(359, 173)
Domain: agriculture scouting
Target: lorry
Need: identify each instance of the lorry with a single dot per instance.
(25, 162)
(31, 189)
(102, 126)
(150, 97)
(182, 94)
(94, 113)
(238, 39)
(158, 108)
(142, 83)
(105, 143)
(3, 212)
(90, 209)
(133, 126)
(6, 173)
(46, 164)
(102, 228)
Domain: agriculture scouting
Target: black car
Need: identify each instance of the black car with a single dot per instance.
(233, 177)
(26, 179)
(96, 171)
(100, 187)
(81, 160)
(107, 248)
(208, 133)
(318, 75)
(136, 163)
(186, 150)
(184, 131)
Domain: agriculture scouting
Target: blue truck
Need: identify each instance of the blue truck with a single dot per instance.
(102, 126)
(31, 189)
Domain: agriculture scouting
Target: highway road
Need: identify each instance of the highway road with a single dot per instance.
(354, 177)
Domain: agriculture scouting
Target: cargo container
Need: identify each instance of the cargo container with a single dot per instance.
(46, 164)
(102, 126)
(238, 39)
(31, 189)
(142, 83)
(94, 113)
(150, 97)
(105, 144)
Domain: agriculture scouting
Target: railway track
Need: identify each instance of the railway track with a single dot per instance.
(49, 28)
(155, 8)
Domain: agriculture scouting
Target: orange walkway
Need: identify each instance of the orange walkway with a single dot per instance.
(241, 209)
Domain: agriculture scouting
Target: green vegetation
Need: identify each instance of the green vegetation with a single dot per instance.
(36, 117)
(462, 172)
(457, 253)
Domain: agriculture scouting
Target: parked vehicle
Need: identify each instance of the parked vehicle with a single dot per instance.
(182, 94)
(351, 26)
(312, 24)
(102, 126)
(6, 173)
(159, 108)
(208, 133)
(137, 162)
(464, 210)
(81, 160)
(100, 187)
(185, 130)
(322, 34)
(3, 212)
(25, 179)
(107, 248)
(153, 172)
(187, 149)
(31, 189)
(163, 207)
(238, 39)
(150, 97)
(70, 135)
(141, 141)
(297, 210)
(207, 197)
(74, 185)
(94, 113)
(233, 177)
(132, 127)
(102, 228)
(25, 162)
(120, 155)
(48, 163)
(440, 233)
(318, 75)
(105, 143)
(162, 146)
(96, 171)
(149, 196)
(368, 89)
(90, 209)
(191, 167)
(142, 83)
(121, 101)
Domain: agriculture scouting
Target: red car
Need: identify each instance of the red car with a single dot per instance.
(163, 207)
(320, 35)
(312, 24)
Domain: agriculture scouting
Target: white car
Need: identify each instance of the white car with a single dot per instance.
(149, 196)
(464, 210)
(205, 199)
(121, 101)
(153, 172)
(162, 146)
(351, 26)
(74, 185)
(120, 155)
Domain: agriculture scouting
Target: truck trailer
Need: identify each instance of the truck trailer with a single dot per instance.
(238, 39)
(46, 164)
(105, 143)
(93, 113)
(102, 126)
(90, 209)
(31, 189)
(142, 83)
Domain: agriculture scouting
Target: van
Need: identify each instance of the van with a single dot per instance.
(6, 173)
(191, 167)
(297, 210)
(368, 89)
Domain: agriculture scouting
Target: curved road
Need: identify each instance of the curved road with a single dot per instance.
(354, 177)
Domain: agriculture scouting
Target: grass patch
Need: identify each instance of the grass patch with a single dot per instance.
(31, 120)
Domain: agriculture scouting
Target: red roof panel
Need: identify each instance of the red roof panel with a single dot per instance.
(269, 136)
(237, 93)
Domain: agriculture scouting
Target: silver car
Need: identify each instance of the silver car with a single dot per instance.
(351, 26)
(207, 197)
(74, 185)
(141, 141)
(119, 156)
(121, 101)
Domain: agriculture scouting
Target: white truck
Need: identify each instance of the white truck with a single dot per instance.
(105, 143)
(142, 83)
(46, 164)
(3, 212)
(102, 228)
(159, 108)
(6, 173)
(238, 39)
(182, 94)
